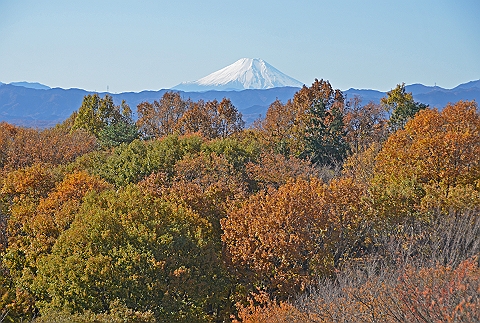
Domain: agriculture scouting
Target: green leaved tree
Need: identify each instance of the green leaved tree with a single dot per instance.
(110, 123)
(126, 246)
(402, 107)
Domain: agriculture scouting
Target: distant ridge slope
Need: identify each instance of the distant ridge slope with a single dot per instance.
(31, 85)
(246, 73)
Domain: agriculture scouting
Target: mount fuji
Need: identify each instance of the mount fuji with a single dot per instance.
(244, 74)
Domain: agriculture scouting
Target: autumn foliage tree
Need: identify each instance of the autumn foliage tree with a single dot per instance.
(207, 183)
(227, 120)
(284, 239)
(42, 207)
(272, 240)
(197, 119)
(272, 170)
(432, 162)
(260, 308)
(160, 118)
(7, 135)
(211, 119)
(20, 193)
(173, 115)
(277, 129)
(310, 126)
(22, 147)
(365, 125)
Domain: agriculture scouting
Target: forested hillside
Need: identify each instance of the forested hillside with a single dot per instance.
(326, 210)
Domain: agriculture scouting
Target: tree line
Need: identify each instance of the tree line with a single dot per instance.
(326, 210)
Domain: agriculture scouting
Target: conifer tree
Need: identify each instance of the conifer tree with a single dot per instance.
(325, 142)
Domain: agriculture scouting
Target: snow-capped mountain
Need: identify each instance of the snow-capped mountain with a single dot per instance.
(246, 73)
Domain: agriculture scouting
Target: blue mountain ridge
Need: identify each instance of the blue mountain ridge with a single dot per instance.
(41, 106)
(34, 85)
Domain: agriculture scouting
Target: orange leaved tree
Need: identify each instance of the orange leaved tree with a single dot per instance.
(433, 162)
(283, 240)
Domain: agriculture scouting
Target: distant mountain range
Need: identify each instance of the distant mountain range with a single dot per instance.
(45, 108)
(251, 84)
(434, 96)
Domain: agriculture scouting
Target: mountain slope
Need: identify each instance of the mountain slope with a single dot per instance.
(36, 107)
(246, 73)
(468, 85)
(434, 96)
(30, 85)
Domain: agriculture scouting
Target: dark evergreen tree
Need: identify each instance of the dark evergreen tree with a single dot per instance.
(121, 129)
(325, 142)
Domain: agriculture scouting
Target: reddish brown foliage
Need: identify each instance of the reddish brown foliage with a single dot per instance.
(434, 294)
(261, 309)
(22, 147)
(364, 125)
(172, 114)
(284, 239)
(273, 170)
(441, 294)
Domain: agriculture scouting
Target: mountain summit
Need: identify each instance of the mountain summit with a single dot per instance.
(246, 73)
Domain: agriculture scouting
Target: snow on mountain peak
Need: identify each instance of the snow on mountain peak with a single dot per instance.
(246, 73)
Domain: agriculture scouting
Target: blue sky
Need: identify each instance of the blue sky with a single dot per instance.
(139, 45)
